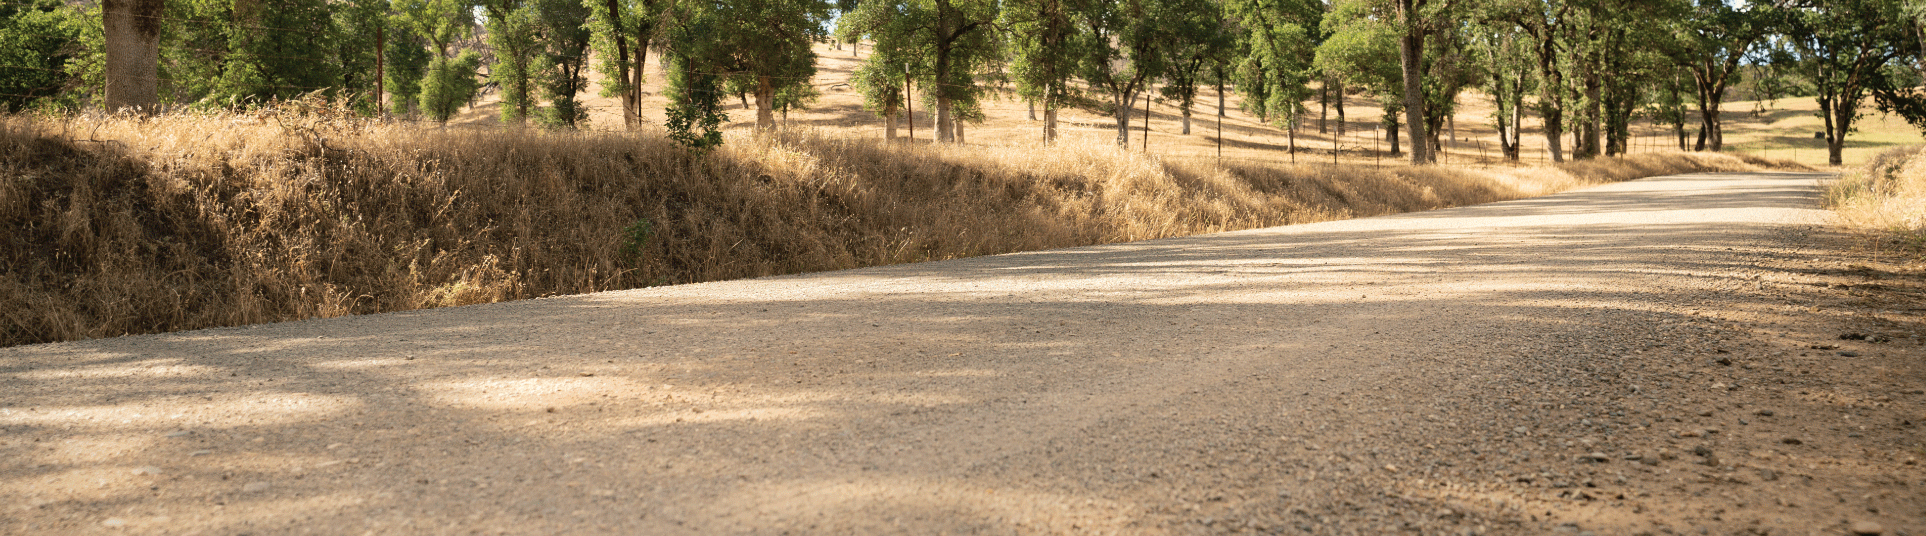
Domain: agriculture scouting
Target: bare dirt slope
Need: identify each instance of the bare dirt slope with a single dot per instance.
(1654, 356)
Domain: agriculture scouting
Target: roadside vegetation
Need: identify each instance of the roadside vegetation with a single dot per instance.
(114, 225)
(1885, 200)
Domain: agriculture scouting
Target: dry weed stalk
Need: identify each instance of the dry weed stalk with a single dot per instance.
(189, 220)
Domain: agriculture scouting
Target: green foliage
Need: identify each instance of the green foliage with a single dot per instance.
(1203, 39)
(1040, 34)
(1275, 50)
(448, 81)
(449, 84)
(880, 82)
(943, 44)
(880, 78)
(1361, 49)
(514, 34)
(760, 44)
(277, 49)
(635, 240)
(357, 23)
(407, 60)
(1846, 49)
(562, 60)
(36, 40)
(633, 24)
(1121, 48)
(695, 114)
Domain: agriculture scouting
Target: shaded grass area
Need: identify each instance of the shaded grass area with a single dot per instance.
(116, 225)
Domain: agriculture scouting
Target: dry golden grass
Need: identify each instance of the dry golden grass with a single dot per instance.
(117, 225)
(1886, 201)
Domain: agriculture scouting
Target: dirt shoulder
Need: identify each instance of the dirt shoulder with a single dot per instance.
(1656, 356)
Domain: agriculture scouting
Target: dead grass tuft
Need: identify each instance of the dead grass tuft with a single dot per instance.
(113, 225)
(1886, 200)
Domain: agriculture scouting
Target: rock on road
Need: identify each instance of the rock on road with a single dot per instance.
(1515, 368)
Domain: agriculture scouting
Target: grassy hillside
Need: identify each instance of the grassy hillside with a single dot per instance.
(113, 225)
(118, 225)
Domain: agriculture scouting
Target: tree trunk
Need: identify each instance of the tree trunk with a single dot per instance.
(622, 63)
(1339, 105)
(1187, 105)
(1323, 107)
(1710, 80)
(1708, 112)
(1717, 127)
(1411, 58)
(1517, 122)
(765, 104)
(1292, 135)
(1033, 108)
(1124, 101)
(1588, 129)
(1838, 116)
(132, 33)
(632, 101)
(945, 124)
(959, 133)
(889, 124)
(944, 128)
(1049, 123)
(1392, 135)
(1220, 101)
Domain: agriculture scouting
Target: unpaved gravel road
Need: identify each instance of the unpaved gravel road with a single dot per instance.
(1659, 356)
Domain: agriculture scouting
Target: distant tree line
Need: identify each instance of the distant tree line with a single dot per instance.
(1586, 68)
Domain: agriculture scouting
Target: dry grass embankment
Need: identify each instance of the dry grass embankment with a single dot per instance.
(1886, 201)
(120, 225)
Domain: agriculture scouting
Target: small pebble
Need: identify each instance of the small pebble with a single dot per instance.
(1851, 354)
(1867, 528)
(115, 522)
(1765, 413)
(200, 453)
(147, 470)
(1792, 441)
